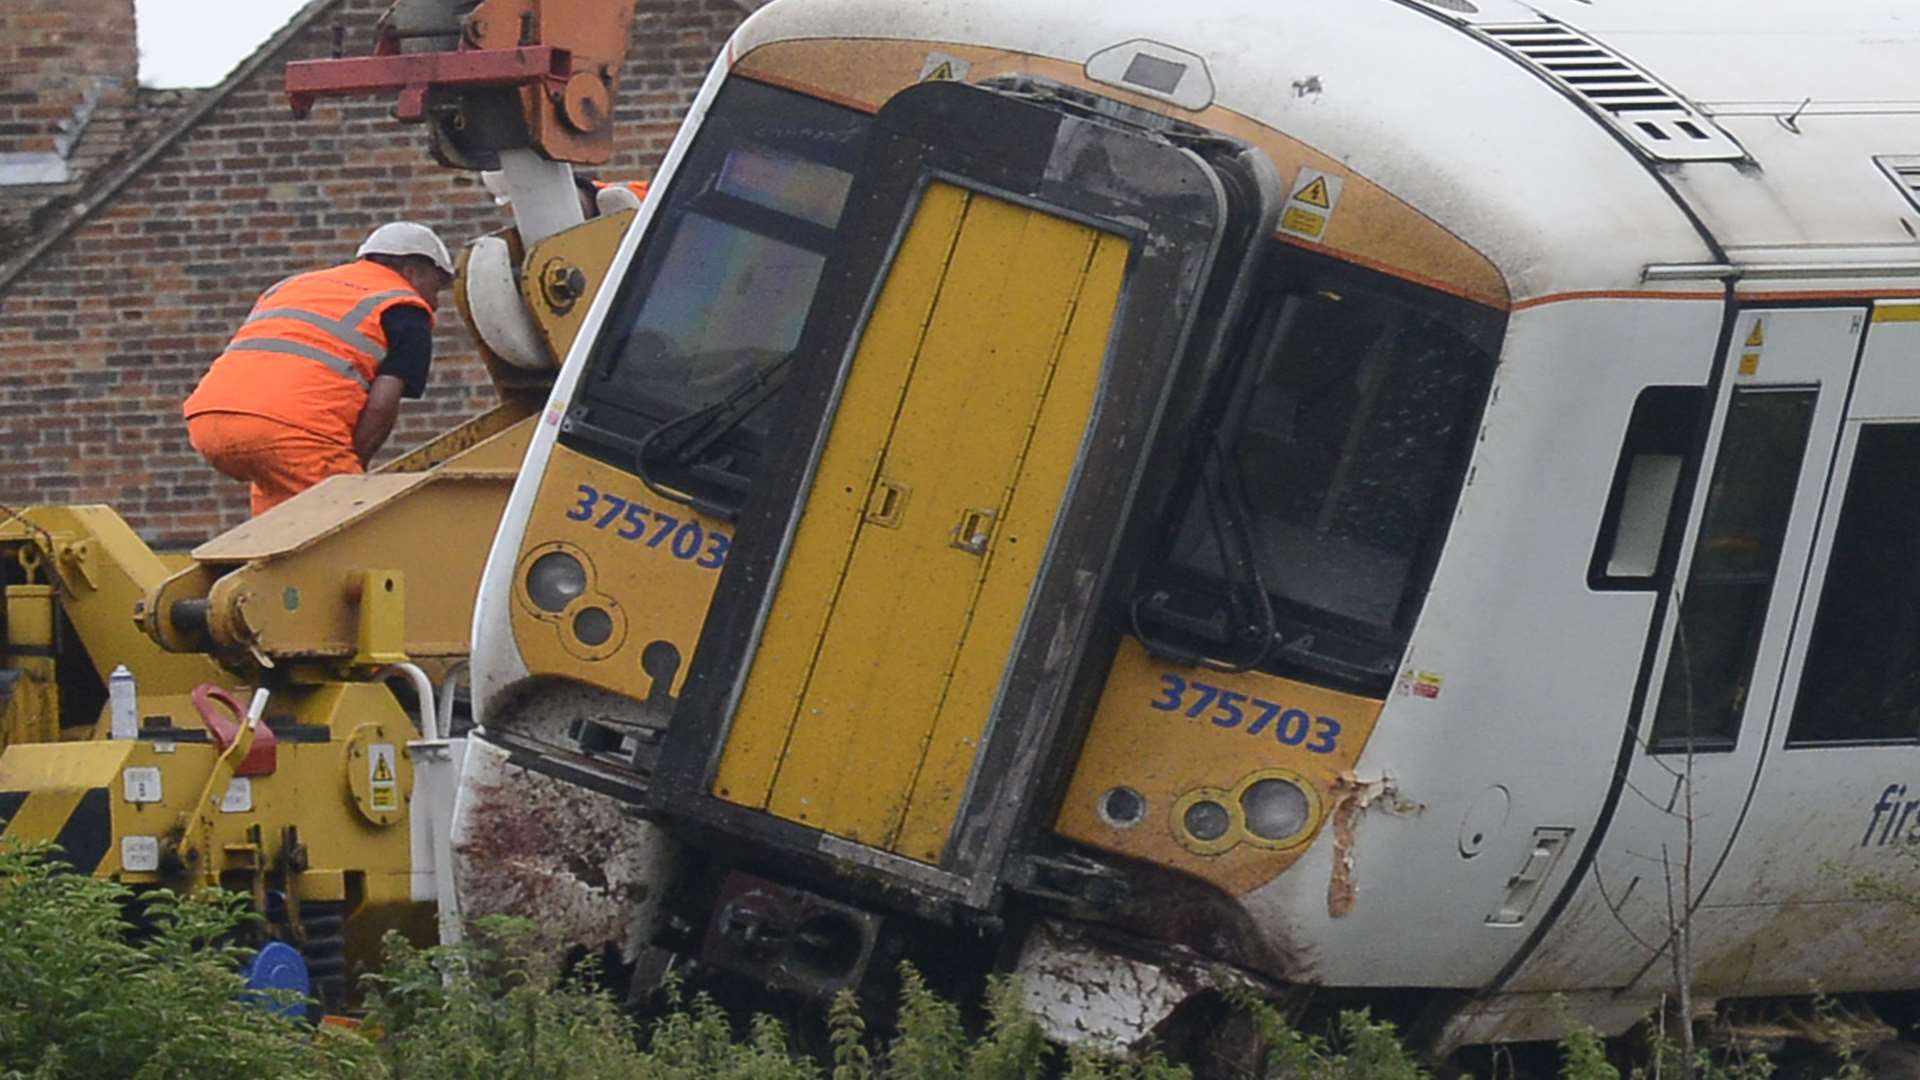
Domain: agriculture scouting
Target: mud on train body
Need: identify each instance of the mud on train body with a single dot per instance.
(1337, 495)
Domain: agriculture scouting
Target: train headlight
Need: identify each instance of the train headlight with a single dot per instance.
(593, 626)
(1275, 809)
(1207, 820)
(555, 580)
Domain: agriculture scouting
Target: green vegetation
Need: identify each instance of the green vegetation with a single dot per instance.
(82, 997)
(86, 995)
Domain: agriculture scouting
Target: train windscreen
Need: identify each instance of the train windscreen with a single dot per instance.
(1336, 459)
(717, 298)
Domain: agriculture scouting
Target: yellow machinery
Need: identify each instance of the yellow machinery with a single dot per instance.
(331, 812)
(323, 811)
(126, 736)
(316, 804)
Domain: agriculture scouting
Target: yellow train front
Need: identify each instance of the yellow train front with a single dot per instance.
(884, 577)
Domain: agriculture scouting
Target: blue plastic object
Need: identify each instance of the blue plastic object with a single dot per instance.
(280, 966)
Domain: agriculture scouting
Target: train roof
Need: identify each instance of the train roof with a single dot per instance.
(1477, 113)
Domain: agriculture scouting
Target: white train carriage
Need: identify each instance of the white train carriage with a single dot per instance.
(1576, 406)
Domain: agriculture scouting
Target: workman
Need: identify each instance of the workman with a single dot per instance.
(611, 198)
(310, 385)
(596, 196)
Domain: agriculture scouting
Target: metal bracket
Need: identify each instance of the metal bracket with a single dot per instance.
(382, 630)
(413, 74)
(82, 557)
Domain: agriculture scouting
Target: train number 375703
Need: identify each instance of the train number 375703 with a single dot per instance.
(686, 539)
(1230, 709)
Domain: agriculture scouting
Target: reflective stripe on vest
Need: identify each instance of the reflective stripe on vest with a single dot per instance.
(346, 328)
(295, 348)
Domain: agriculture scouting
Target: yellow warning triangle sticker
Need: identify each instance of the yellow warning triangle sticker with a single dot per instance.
(382, 770)
(1758, 338)
(943, 73)
(1315, 194)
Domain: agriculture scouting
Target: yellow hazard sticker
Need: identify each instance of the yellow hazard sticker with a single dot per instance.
(1303, 222)
(1315, 194)
(1750, 363)
(1758, 339)
(943, 68)
(383, 785)
(1311, 203)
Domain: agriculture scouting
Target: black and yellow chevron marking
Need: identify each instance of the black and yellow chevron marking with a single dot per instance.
(80, 822)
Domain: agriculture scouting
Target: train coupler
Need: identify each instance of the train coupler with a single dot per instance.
(792, 939)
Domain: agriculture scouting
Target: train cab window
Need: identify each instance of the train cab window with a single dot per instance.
(716, 299)
(1637, 529)
(1724, 607)
(1860, 683)
(1336, 462)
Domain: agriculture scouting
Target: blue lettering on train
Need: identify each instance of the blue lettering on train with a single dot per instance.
(1895, 819)
(684, 537)
(1230, 709)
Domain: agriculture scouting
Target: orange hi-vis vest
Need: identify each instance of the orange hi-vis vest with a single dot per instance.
(308, 353)
(638, 187)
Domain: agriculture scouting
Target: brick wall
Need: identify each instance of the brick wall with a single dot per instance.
(105, 334)
(54, 54)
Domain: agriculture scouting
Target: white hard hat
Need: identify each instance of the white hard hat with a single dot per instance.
(407, 238)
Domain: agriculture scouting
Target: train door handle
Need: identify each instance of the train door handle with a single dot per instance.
(1524, 887)
(887, 503)
(974, 531)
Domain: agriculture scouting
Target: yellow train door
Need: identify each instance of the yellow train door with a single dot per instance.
(954, 442)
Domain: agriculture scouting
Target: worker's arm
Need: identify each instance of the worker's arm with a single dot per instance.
(376, 420)
(402, 374)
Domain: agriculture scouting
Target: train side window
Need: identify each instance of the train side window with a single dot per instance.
(1731, 579)
(1860, 683)
(1637, 528)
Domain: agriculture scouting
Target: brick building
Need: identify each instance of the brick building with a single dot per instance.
(137, 226)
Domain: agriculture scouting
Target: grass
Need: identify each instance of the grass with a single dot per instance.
(88, 991)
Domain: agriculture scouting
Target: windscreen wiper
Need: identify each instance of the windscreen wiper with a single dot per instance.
(694, 433)
(1249, 616)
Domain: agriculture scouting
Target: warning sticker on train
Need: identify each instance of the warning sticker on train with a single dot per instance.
(943, 68)
(1756, 341)
(1311, 204)
(1420, 684)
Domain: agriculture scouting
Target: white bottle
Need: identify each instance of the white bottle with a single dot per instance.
(123, 704)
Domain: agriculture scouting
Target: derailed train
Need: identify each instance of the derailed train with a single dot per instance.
(1407, 495)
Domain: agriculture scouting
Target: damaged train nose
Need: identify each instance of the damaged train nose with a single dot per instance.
(528, 843)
